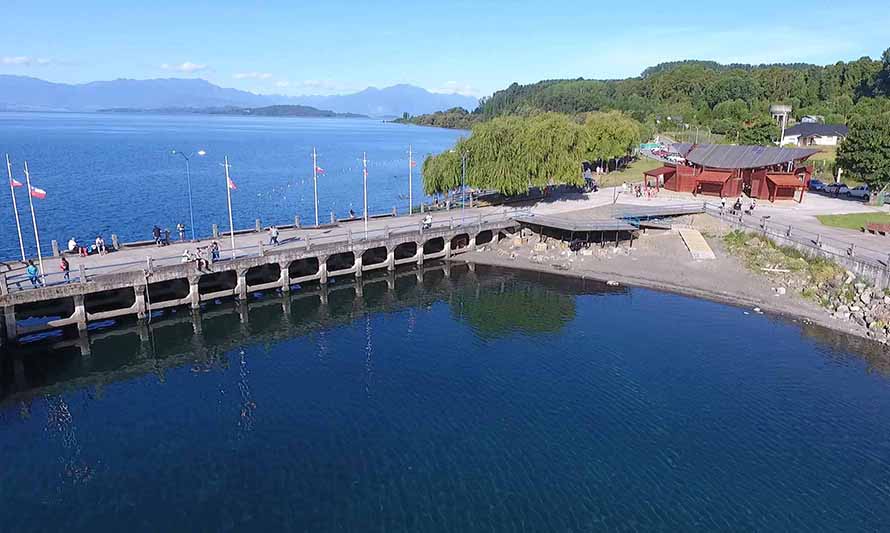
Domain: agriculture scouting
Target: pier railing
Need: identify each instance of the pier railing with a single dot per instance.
(872, 263)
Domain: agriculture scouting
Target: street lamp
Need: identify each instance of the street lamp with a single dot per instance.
(188, 179)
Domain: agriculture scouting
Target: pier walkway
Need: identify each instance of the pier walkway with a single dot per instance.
(142, 279)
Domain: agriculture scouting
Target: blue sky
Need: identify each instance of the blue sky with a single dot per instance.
(473, 47)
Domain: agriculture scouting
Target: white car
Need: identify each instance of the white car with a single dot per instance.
(837, 188)
(859, 192)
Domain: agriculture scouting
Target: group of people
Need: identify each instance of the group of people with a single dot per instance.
(203, 256)
(98, 247)
(737, 206)
(162, 238)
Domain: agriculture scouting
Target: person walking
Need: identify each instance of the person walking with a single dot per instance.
(273, 236)
(100, 245)
(181, 229)
(166, 236)
(65, 267)
(214, 251)
(33, 274)
(156, 233)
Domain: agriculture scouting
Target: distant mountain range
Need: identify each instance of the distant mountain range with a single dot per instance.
(21, 93)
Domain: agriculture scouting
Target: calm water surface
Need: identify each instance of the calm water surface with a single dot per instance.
(487, 401)
(113, 173)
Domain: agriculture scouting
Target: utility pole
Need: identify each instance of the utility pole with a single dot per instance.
(410, 180)
(315, 182)
(365, 184)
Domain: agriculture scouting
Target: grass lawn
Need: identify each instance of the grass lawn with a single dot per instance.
(826, 153)
(854, 220)
(633, 173)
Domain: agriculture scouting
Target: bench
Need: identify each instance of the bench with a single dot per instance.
(876, 228)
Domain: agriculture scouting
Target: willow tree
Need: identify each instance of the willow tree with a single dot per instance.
(511, 154)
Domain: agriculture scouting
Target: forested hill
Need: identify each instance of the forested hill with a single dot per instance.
(725, 97)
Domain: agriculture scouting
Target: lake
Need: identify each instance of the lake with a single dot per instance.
(479, 401)
(114, 173)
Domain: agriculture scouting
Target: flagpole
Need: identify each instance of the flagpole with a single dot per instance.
(315, 182)
(365, 184)
(18, 224)
(229, 199)
(410, 180)
(34, 220)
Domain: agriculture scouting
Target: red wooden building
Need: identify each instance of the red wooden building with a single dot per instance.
(769, 173)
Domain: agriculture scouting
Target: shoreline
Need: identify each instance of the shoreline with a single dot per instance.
(784, 307)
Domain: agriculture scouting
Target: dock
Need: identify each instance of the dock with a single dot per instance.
(143, 280)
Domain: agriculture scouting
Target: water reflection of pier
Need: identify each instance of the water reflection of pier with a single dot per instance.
(134, 348)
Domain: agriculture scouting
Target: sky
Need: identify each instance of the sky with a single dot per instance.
(471, 47)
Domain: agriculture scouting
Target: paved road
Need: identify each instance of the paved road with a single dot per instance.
(801, 216)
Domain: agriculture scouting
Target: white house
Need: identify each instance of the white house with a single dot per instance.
(812, 134)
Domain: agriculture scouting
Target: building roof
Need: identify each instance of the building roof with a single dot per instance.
(660, 171)
(742, 156)
(713, 176)
(812, 129)
(786, 180)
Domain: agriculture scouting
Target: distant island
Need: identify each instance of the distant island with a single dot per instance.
(267, 111)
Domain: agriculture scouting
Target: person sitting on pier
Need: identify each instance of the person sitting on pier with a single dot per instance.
(100, 245)
(351, 213)
(427, 221)
(72, 245)
(187, 256)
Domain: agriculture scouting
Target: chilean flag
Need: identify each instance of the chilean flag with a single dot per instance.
(319, 170)
(413, 163)
(15, 183)
(232, 184)
(40, 194)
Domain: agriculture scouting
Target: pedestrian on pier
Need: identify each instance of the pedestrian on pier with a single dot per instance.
(100, 245)
(181, 229)
(33, 274)
(65, 267)
(273, 236)
(214, 252)
(156, 233)
(166, 236)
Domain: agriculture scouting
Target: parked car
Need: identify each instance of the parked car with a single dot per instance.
(859, 192)
(816, 185)
(837, 188)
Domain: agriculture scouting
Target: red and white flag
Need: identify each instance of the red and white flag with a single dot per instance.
(16, 183)
(319, 170)
(232, 184)
(40, 194)
(413, 163)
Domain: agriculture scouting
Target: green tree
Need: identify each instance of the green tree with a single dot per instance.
(762, 131)
(865, 153)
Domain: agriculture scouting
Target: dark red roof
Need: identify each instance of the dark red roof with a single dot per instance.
(713, 176)
(660, 171)
(786, 180)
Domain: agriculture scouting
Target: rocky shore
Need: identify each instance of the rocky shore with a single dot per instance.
(748, 272)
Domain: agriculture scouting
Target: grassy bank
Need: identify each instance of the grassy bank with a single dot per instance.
(854, 221)
(632, 173)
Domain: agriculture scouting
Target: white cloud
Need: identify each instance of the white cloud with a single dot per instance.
(452, 87)
(252, 76)
(24, 61)
(188, 67)
(282, 84)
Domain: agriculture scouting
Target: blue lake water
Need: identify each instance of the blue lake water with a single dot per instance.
(114, 173)
(487, 401)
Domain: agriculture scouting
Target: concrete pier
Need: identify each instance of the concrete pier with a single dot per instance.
(141, 288)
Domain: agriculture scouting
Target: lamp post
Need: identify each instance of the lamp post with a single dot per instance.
(188, 179)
